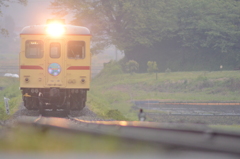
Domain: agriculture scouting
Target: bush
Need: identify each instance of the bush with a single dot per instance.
(115, 114)
(132, 66)
(152, 66)
(14, 94)
(168, 70)
(111, 68)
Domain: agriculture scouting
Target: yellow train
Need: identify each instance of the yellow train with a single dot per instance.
(55, 66)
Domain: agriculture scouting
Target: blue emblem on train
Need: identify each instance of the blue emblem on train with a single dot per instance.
(54, 69)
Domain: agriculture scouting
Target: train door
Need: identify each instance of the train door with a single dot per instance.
(55, 72)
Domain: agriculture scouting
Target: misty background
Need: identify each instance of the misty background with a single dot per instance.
(180, 35)
(16, 16)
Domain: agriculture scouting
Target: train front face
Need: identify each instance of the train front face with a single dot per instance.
(55, 65)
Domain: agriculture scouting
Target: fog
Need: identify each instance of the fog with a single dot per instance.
(17, 16)
(35, 12)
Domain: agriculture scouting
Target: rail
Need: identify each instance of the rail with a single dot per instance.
(198, 137)
(183, 103)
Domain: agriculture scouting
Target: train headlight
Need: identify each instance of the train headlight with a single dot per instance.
(55, 29)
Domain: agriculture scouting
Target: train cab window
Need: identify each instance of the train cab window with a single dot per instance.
(76, 49)
(34, 49)
(55, 50)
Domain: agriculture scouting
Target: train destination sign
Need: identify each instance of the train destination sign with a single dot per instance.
(54, 69)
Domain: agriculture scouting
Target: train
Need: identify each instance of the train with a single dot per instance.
(55, 66)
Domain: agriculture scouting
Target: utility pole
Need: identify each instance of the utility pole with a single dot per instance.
(6, 105)
(116, 52)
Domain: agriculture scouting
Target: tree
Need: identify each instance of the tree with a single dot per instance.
(5, 3)
(132, 66)
(9, 24)
(122, 23)
(173, 31)
(152, 67)
(212, 24)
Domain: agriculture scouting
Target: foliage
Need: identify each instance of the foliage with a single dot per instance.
(152, 66)
(168, 70)
(115, 114)
(5, 3)
(132, 66)
(111, 68)
(7, 30)
(175, 32)
(122, 23)
(100, 104)
(12, 92)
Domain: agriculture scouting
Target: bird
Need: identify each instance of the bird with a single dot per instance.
(141, 115)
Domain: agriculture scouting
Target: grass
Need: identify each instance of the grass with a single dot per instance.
(12, 92)
(102, 107)
(116, 91)
(111, 94)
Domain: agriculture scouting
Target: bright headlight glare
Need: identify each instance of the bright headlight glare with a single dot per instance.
(55, 29)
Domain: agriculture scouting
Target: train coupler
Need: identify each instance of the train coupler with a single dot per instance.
(54, 92)
(27, 95)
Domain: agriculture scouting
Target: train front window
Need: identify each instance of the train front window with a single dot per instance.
(55, 50)
(76, 49)
(34, 49)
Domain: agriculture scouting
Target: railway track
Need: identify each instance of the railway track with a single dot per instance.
(189, 108)
(172, 136)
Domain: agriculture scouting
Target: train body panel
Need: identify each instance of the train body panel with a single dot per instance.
(75, 72)
(55, 72)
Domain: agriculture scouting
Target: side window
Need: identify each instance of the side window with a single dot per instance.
(55, 50)
(34, 49)
(76, 49)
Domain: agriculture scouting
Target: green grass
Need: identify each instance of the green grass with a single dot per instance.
(12, 92)
(101, 106)
(116, 91)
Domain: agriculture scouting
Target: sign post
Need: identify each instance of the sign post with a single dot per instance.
(6, 105)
